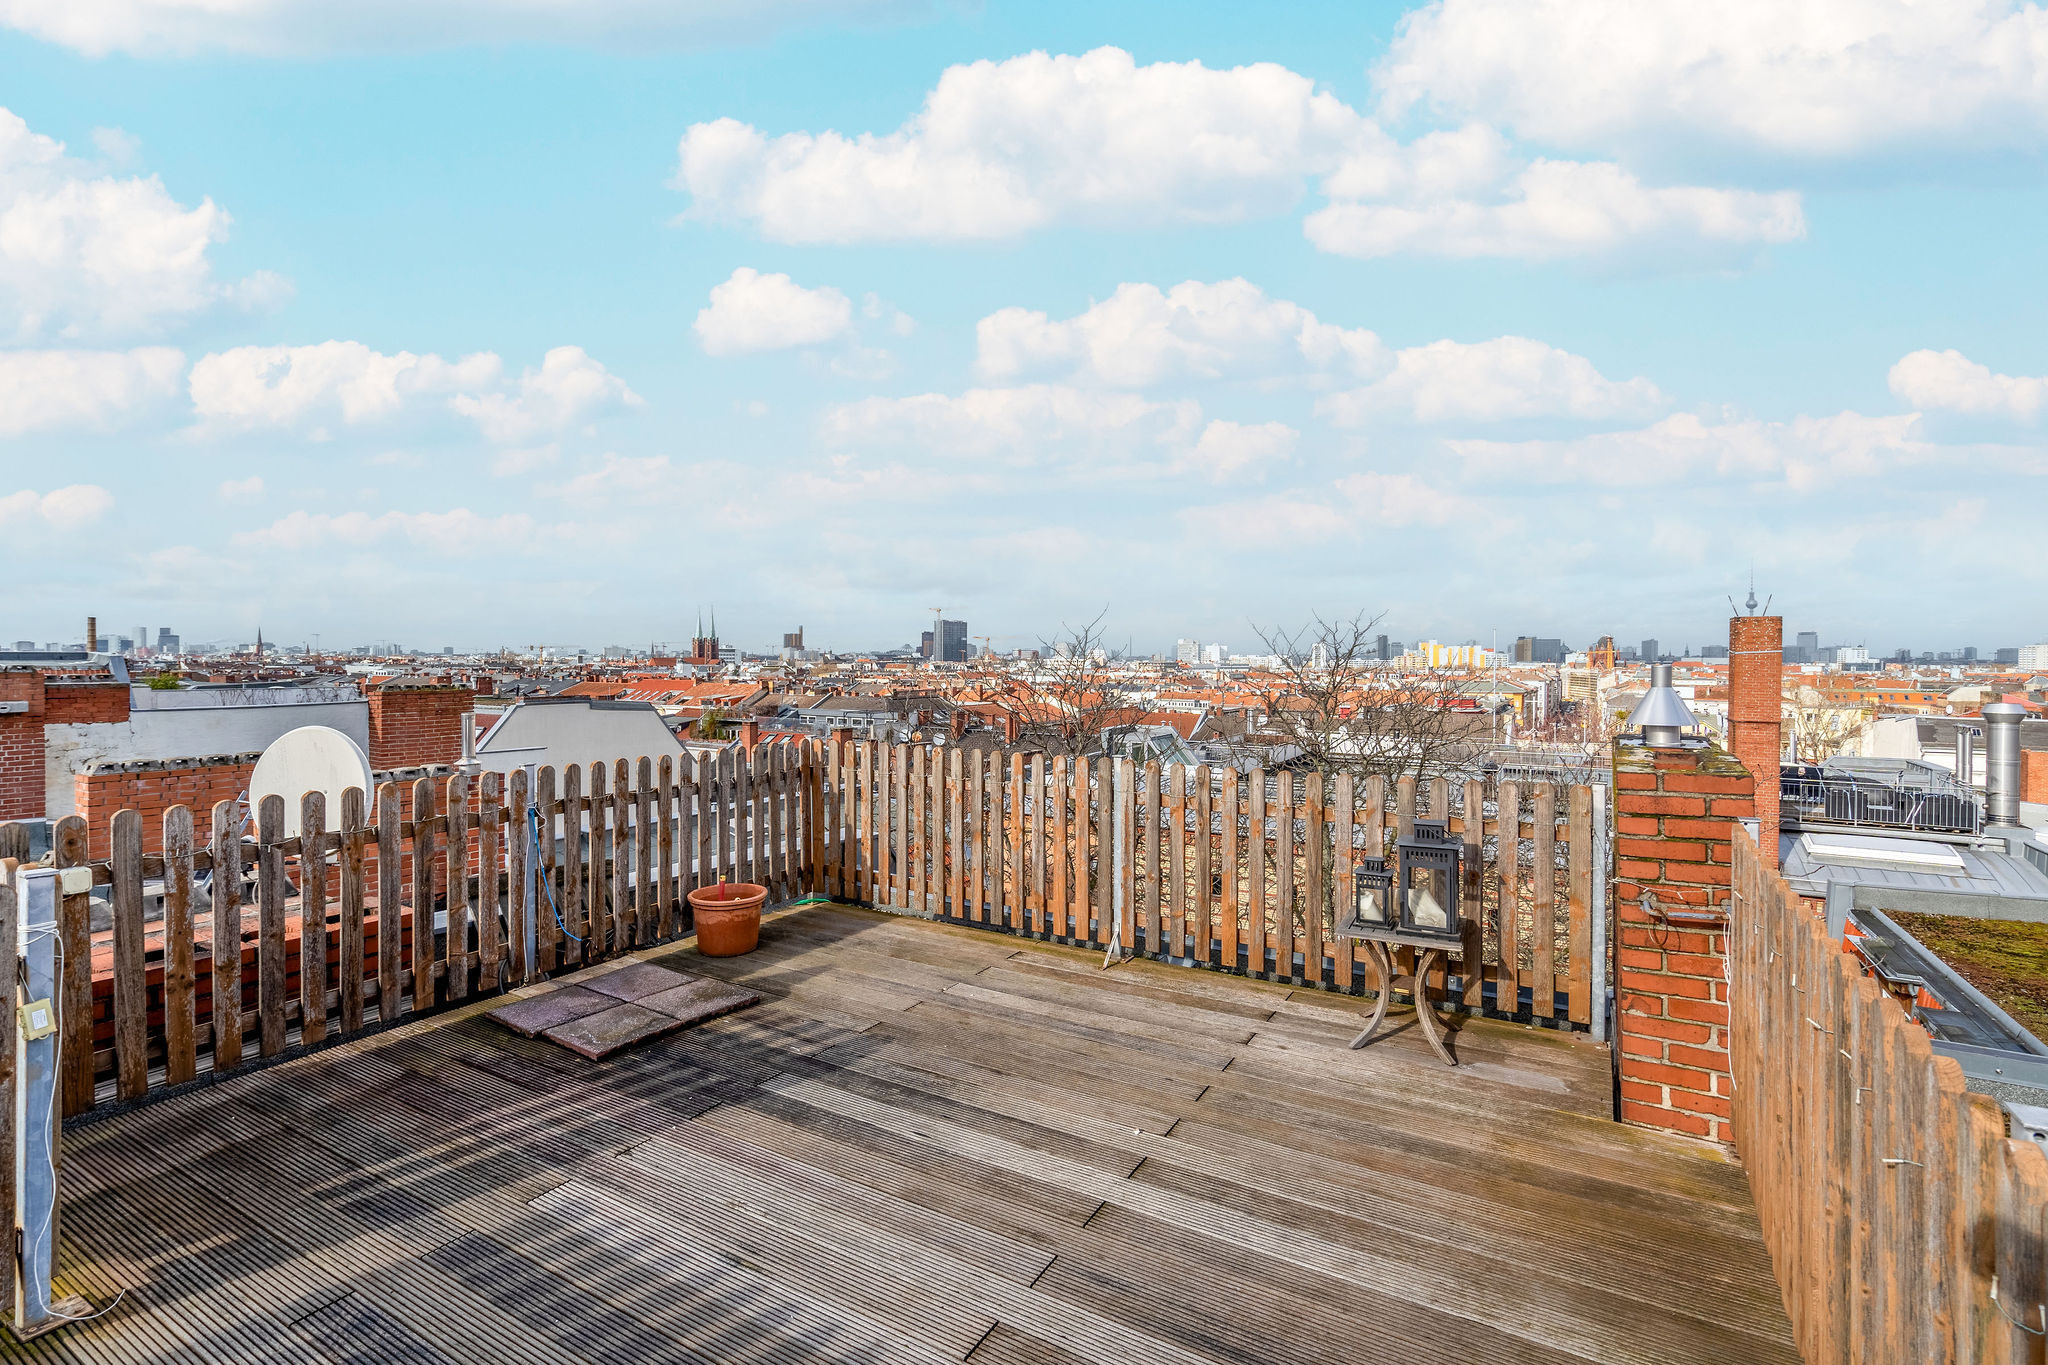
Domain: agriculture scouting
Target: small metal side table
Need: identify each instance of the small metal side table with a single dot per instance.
(1431, 950)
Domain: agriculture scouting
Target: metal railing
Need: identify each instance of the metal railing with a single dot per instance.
(1869, 802)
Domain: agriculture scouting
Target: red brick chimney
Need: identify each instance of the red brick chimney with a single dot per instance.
(1756, 692)
(750, 734)
(413, 724)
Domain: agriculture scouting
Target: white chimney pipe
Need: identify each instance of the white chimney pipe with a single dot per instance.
(1966, 755)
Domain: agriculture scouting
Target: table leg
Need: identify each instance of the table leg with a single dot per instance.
(1376, 953)
(1432, 1027)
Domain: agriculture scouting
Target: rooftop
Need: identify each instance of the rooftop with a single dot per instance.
(928, 1143)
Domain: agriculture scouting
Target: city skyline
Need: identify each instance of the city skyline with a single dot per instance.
(826, 314)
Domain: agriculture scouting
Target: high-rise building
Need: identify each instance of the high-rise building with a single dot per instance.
(1187, 651)
(1804, 649)
(1650, 654)
(2005, 656)
(1319, 655)
(1969, 654)
(166, 643)
(1385, 652)
(952, 642)
(2031, 656)
(1215, 654)
(793, 639)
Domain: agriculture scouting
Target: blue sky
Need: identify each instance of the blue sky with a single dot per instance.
(459, 322)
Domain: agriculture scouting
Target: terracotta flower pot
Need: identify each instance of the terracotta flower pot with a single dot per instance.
(728, 918)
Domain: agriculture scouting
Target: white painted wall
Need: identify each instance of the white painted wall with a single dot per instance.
(193, 724)
(559, 733)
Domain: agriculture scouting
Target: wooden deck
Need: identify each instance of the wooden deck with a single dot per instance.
(928, 1144)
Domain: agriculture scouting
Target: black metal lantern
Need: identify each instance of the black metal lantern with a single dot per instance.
(1373, 885)
(1430, 882)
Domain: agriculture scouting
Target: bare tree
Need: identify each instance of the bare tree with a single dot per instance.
(1817, 728)
(1332, 698)
(1078, 691)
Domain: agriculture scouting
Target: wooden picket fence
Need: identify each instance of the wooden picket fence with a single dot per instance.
(1903, 1223)
(318, 938)
(1246, 872)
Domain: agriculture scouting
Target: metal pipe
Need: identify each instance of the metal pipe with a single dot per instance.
(1966, 755)
(2002, 763)
(35, 1096)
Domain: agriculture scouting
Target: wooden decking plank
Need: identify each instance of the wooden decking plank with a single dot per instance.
(1005, 1345)
(1547, 1324)
(1520, 1156)
(833, 1267)
(717, 1162)
(1016, 1206)
(1233, 1304)
(1171, 1018)
(1068, 1325)
(1604, 1290)
(350, 1329)
(930, 1141)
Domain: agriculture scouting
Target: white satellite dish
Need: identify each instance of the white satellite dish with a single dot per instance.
(312, 758)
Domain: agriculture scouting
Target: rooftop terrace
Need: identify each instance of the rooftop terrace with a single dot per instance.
(928, 1143)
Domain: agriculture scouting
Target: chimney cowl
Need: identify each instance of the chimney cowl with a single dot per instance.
(1662, 717)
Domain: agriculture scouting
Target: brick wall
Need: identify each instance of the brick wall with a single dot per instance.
(21, 746)
(417, 724)
(153, 787)
(1675, 813)
(1756, 710)
(2034, 776)
(100, 701)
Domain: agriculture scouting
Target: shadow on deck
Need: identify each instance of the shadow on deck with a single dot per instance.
(927, 1144)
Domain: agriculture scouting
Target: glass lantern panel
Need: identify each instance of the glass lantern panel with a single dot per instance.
(1372, 906)
(1426, 902)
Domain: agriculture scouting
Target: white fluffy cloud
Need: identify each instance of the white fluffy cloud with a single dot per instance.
(97, 390)
(1084, 432)
(1230, 451)
(1388, 501)
(1949, 381)
(1141, 336)
(348, 383)
(1032, 424)
(309, 27)
(1547, 210)
(1815, 78)
(458, 532)
(1805, 453)
(1002, 148)
(1504, 379)
(569, 388)
(89, 255)
(756, 312)
(63, 509)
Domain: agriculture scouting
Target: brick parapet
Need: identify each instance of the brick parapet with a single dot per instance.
(1675, 813)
